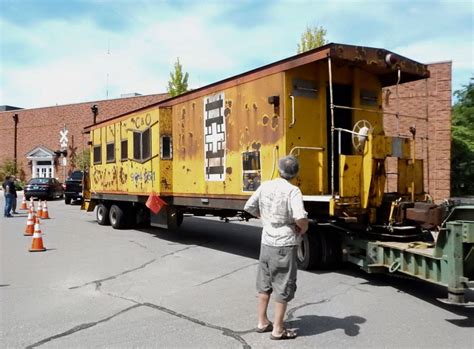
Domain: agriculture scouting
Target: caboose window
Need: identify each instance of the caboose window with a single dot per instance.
(110, 152)
(124, 150)
(142, 145)
(251, 167)
(97, 154)
(166, 150)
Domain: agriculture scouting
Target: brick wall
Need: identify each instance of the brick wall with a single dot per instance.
(41, 126)
(418, 98)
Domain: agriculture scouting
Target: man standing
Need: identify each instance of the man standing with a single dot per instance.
(14, 193)
(279, 204)
(7, 184)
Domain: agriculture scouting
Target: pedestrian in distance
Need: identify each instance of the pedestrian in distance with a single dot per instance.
(279, 204)
(14, 193)
(7, 184)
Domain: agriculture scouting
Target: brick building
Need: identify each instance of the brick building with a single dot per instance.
(38, 132)
(422, 98)
(39, 129)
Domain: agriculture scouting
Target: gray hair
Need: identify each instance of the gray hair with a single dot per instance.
(288, 167)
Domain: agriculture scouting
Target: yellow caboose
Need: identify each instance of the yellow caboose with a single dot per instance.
(207, 150)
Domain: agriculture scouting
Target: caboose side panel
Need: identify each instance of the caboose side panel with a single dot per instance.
(227, 142)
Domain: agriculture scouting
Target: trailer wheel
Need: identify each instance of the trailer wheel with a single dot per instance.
(331, 253)
(102, 214)
(117, 217)
(309, 251)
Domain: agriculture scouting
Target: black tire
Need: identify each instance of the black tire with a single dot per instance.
(319, 249)
(309, 251)
(102, 214)
(331, 250)
(117, 217)
(67, 200)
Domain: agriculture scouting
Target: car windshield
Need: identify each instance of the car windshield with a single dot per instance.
(39, 181)
(76, 175)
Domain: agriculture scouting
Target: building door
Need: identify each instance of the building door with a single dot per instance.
(43, 170)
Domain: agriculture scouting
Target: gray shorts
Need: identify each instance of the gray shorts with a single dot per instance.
(277, 269)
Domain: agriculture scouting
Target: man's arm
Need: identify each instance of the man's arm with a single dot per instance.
(252, 204)
(299, 213)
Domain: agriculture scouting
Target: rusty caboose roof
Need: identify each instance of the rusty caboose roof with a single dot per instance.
(367, 58)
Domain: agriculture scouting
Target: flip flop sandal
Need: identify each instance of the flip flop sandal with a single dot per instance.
(287, 334)
(267, 328)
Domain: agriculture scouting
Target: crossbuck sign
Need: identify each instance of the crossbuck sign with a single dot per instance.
(63, 137)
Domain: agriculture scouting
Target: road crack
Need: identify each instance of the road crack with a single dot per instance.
(81, 327)
(98, 283)
(227, 274)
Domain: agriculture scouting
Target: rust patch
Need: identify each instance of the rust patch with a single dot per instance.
(228, 170)
(226, 112)
(275, 121)
(265, 120)
(256, 146)
(228, 104)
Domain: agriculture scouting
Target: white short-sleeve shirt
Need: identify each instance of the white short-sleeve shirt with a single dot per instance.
(279, 204)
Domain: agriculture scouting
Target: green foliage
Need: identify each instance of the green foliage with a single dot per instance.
(462, 146)
(178, 83)
(7, 168)
(311, 38)
(83, 159)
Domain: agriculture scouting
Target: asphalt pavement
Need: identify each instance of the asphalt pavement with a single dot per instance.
(96, 287)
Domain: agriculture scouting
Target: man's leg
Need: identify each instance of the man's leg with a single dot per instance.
(263, 299)
(278, 326)
(14, 204)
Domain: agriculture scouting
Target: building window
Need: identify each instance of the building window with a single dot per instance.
(97, 154)
(142, 145)
(110, 156)
(124, 150)
(166, 148)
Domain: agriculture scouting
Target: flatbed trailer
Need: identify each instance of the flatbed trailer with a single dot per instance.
(206, 151)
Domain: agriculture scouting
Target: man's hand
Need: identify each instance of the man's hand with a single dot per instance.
(301, 226)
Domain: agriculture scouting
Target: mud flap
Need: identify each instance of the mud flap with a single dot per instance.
(167, 218)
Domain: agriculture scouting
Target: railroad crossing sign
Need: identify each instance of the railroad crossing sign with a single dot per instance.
(63, 137)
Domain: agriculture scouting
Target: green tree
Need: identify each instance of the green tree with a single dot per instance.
(7, 168)
(82, 160)
(311, 38)
(462, 143)
(178, 83)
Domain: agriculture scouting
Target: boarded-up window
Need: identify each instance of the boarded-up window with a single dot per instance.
(97, 154)
(124, 150)
(110, 152)
(166, 150)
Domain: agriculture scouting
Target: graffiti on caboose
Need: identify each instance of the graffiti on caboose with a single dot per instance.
(214, 137)
(145, 177)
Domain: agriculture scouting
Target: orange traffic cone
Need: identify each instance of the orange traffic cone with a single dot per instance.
(23, 206)
(45, 214)
(30, 224)
(39, 213)
(37, 244)
(32, 204)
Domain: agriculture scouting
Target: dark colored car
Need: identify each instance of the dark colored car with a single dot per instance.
(73, 187)
(43, 188)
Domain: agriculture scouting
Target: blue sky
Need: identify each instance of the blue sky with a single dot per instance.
(70, 51)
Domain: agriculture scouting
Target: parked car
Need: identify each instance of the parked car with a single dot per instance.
(43, 188)
(73, 187)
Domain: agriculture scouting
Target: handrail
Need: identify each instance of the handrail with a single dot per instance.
(293, 119)
(307, 148)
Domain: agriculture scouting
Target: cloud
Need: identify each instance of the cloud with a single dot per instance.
(59, 52)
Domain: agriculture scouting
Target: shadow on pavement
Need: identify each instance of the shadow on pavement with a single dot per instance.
(311, 325)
